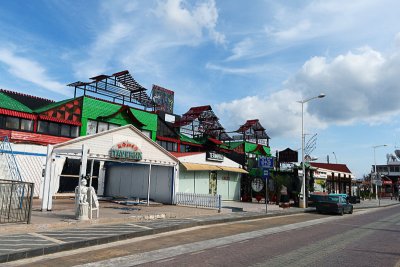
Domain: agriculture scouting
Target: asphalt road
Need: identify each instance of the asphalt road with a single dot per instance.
(366, 238)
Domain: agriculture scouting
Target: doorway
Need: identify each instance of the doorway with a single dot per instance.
(213, 183)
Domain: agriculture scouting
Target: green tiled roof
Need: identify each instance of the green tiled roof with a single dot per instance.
(185, 138)
(250, 147)
(12, 104)
(94, 108)
(52, 105)
(234, 145)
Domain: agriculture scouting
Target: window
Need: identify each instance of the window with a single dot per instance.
(102, 126)
(26, 125)
(15, 123)
(52, 128)
(112, 126)
(2, 120)
(74, 131)
(147, 133)
(65, 130)
(91, 127)
(43, 127)
(170, 146)
(12, 123)
(99, 126)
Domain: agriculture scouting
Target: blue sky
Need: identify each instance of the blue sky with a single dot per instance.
(247, 59)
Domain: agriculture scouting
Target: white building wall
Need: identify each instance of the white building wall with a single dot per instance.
(30, 160)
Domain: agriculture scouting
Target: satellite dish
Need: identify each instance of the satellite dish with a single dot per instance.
(397, 152)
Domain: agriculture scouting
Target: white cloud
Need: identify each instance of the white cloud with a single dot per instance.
(190, 23)
(30, 70)
(279, 113)
(361, 87)
(142, 36)
(239, 70)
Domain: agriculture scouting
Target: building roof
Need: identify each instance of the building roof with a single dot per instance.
(7, 102)
(253, 128)
(32, 102)
(185, 154)
(331, 166)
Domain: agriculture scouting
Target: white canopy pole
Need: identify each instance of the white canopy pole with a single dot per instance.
(47, 180)
(148, 186)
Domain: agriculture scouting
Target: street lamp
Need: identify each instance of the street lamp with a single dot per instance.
(335, 156)
(375, 172)
(303, 183)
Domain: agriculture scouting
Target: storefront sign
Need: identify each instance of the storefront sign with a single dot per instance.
(125, 150)
(214, 156)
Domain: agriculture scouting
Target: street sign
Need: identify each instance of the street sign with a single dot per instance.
(265, 174)
(266, 162)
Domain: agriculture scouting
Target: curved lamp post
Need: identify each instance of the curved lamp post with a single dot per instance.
(303, 202)
(335, 156)
(375, 172)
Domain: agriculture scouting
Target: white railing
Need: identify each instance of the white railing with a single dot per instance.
(198, 200)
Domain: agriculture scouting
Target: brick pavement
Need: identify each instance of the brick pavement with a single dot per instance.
(57, 230)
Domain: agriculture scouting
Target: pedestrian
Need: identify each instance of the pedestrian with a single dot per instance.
(284, 196)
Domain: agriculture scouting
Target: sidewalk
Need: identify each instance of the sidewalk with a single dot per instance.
(56, 231)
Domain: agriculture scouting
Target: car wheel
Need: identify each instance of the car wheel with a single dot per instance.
(351, 211)
(319, 211)
(342, 212)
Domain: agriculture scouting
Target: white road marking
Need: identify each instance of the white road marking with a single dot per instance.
(140, 226)
(47, 238)
(165, 260)
(197, 252)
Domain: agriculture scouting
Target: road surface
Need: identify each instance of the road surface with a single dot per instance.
(366, 238)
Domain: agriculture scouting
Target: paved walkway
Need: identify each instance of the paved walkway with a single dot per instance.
(56, 231)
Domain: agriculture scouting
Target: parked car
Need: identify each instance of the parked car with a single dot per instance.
(334, 204)
(314, 198)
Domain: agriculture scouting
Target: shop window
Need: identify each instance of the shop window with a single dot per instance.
(12, 123)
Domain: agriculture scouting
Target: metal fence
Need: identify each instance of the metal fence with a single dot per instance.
(15, 201)
(199, 200)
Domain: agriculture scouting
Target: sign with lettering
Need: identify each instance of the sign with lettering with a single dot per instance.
(125, 150)
(266, 162)
(213, 156)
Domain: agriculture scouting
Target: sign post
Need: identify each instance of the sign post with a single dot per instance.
(266, 163)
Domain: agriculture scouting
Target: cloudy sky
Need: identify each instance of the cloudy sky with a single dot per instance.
(247, 59)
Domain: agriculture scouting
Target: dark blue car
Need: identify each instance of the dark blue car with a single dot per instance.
(334, 204)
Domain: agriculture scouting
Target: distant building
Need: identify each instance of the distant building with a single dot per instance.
(332, 178)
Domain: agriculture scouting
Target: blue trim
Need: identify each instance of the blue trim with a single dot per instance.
(23, 153)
